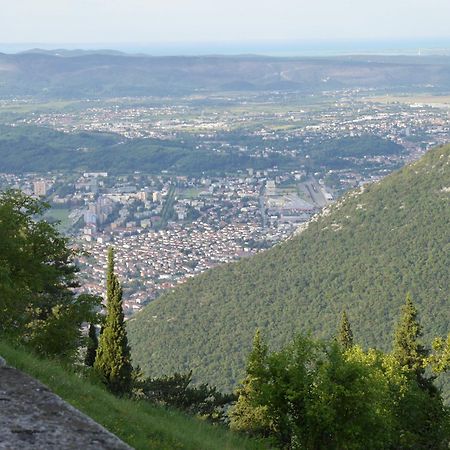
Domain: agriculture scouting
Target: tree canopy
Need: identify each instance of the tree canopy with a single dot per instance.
(318, 395)
(38, 305)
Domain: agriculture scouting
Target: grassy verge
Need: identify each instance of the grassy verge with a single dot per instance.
(140, 424)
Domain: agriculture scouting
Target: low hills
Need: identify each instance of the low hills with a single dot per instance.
(27, 148)
(78, 74)
(363, 254)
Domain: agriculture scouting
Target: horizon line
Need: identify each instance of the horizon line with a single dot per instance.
(292, 48)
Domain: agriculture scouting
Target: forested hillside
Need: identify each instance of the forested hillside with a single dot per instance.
(105, 74)
(40, 149)
(364, 255)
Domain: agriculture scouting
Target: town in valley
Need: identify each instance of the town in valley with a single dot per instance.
(167, 227)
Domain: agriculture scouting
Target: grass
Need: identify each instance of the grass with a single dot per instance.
(190, 193)
(24, 108)
(137, 422)
(60, 214)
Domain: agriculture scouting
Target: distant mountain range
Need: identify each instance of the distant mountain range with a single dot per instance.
(106, 73)
(71, 53)
(363, 254)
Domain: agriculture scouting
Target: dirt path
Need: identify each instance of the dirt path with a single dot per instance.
(32, 417)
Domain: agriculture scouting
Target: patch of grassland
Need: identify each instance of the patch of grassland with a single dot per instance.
(140, 424)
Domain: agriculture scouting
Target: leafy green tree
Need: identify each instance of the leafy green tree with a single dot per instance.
(440, 359)
(59, 334)
(37, 275)
(113, 359)
(350, 394)
(37, 265)
(321, 397)
(345, 334)
(92, 346)
(248, 414)
(287, 389)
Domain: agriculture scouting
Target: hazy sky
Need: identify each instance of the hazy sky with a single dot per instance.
(152, 21)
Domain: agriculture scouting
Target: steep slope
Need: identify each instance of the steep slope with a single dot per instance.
(364, 255)
(140, 424)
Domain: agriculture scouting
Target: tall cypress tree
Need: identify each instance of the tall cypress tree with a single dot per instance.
(113, 361)
(92, 346)
(345, 334)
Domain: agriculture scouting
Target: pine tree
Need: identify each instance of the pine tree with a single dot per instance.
(257, 358)
(92, 346)
(113, 360)
(412, 355)
(345, 334)
(408, 350)
(248, 414)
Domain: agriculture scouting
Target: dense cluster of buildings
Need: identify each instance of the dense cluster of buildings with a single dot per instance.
(167, 229)
(211, 221)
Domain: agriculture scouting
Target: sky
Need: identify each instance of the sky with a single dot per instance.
(167, 22)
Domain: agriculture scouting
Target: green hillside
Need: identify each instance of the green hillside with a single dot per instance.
(363, 255)
(138, 423)
(27, 149)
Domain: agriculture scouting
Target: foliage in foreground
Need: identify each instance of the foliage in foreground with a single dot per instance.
(321, 395)
(176, 391)
(37, 277)
(139, 423)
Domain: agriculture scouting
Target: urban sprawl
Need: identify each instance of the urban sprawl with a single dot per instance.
(167, 227)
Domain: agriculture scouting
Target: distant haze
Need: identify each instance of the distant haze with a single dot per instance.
(234, 26)
(271, 48)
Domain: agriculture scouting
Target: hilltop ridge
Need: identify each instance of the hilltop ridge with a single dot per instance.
(99, 74)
